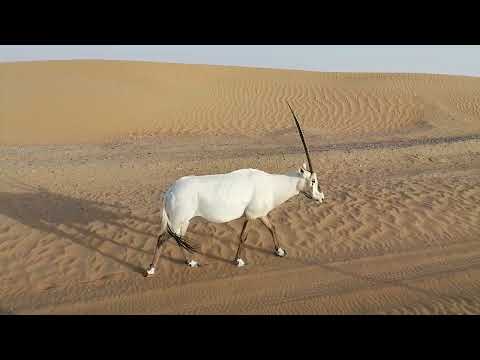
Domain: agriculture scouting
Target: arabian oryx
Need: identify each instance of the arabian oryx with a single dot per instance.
(247, 193)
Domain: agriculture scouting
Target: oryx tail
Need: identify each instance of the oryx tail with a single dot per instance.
(166, 227)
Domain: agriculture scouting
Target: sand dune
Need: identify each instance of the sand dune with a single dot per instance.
(88, 147)
(83, 101)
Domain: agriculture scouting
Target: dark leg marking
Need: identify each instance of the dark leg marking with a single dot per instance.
(243, 238)
(266, 221)
(156, 254)
(161, 239)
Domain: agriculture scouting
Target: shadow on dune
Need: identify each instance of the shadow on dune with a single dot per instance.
(215, 257)
(70, 218)
(193, 234)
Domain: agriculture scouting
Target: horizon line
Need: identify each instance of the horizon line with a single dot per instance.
(260, 67)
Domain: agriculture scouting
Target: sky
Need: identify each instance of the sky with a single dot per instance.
(437, 59)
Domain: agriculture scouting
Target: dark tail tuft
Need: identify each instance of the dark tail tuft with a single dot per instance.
(183, 243)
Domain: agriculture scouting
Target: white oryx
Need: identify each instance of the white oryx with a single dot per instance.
(247, 193)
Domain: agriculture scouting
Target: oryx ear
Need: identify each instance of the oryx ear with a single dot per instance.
(303, 173)
(304, 166)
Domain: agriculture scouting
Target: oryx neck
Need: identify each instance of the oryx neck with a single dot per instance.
(285, 187)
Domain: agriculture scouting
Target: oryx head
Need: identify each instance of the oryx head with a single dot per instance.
(309, 187)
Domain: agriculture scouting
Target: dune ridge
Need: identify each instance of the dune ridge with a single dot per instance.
(88, 101)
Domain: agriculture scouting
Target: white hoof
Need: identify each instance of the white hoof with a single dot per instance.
(240, 262)
(280, 252)
(193, 263)
(150, 271)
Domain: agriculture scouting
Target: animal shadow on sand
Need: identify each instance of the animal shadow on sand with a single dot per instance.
(71, 218)
(5, 312)
(194, 234)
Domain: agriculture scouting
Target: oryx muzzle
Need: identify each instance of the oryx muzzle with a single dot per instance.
(310, 168)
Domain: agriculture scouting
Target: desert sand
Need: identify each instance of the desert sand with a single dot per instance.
(87, 149)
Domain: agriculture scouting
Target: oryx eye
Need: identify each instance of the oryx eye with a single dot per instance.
(313, 181)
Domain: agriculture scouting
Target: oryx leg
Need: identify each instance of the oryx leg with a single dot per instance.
(181, 237)
(278, 250)
(191, 263)
(161, 239)
(243, 236)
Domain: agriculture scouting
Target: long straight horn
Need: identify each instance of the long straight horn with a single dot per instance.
(303, 139)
